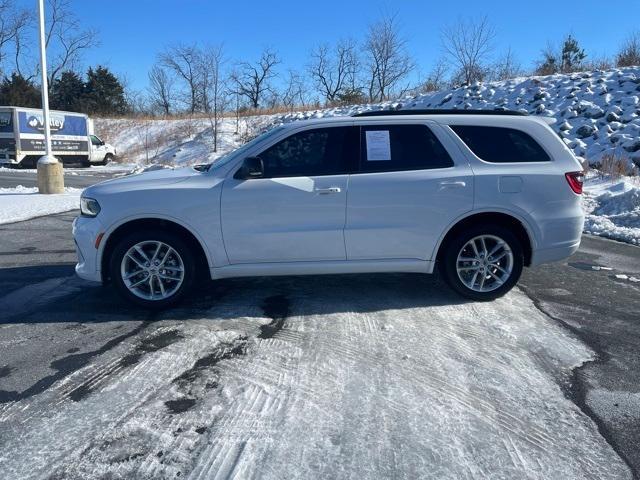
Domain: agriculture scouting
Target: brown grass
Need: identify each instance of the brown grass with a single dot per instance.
(616, 165)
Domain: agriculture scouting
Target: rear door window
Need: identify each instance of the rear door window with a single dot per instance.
(386, 148)
(500, 145)
(321, 151)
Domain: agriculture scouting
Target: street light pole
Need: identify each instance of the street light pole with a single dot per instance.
(50, 177)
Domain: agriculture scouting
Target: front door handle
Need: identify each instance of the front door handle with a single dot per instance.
(327, 191)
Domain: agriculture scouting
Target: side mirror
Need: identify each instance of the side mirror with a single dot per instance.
(252, 167)
(101, 143)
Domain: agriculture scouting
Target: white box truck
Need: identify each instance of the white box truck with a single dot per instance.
(72, 139)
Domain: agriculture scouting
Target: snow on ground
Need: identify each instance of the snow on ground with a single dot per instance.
(612, 207)
(367, 379)
(174, 142)
(22, 203)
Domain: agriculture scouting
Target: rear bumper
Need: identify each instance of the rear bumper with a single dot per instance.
(554, 254)
(85, 232)
(560, 232)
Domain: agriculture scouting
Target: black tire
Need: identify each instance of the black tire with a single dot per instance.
(449, 258)
(107, 159)
(171, 239)
(85, 163)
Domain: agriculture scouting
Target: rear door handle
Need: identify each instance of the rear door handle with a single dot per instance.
(327, 191)
(452, 184)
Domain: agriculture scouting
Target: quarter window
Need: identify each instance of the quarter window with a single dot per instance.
(500, 145)
(322, 151)
(401, 147)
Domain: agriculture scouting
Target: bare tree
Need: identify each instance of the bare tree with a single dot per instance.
(629, 54)
(237, 102)
(294, 92)
(161, 89)
(468, 45)
(214, 89)
(252, 80)
(387, 59)
(436, 79)
(12, 23)
(334, 69)
(65, 38)
(184, 61)
(506, 67)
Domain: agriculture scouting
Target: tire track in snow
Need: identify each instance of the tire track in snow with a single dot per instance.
(357, 341)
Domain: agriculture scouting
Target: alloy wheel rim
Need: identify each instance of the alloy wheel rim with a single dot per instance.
(484, 263)
(152, 270)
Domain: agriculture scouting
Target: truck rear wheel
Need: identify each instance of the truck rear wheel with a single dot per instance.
(108, 158)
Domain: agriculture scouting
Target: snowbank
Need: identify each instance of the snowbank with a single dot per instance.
(22, 203)
(612, 208)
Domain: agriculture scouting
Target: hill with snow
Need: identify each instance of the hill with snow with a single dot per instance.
(597, 113)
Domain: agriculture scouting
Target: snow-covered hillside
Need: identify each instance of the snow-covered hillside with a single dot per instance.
(597, 113)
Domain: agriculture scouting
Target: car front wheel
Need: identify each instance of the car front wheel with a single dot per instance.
(152, 269)
(483, 262)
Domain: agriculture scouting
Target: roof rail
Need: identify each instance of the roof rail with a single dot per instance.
(382, 113)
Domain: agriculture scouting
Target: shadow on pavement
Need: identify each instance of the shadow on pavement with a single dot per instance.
(53, 293)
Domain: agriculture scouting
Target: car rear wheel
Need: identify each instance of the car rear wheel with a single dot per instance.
(483, 262)
(153, 269)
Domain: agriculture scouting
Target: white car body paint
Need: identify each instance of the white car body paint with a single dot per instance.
(358, 222)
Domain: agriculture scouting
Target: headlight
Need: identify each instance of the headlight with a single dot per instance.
(89, 207)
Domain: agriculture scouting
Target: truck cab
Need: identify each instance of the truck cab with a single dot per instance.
(100, 152)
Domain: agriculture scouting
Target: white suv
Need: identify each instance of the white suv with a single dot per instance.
(478, 194)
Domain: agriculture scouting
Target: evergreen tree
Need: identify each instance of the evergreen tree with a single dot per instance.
(68, 93)
(104, 93)
(572, 55)
(20, 92)
(569, 59)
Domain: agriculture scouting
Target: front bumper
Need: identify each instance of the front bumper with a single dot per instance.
(85, 232)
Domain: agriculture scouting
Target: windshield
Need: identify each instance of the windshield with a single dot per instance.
(224, 159)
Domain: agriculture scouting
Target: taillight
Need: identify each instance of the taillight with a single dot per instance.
(575, 179)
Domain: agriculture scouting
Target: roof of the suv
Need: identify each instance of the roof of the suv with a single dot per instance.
(448, 117)
(383, 113)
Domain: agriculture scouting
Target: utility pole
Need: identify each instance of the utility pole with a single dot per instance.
(50, 177)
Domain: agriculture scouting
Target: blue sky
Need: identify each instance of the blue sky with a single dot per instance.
(133, 31)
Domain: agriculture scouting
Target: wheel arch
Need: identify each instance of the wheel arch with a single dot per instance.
(201, 254)
(520, 227)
